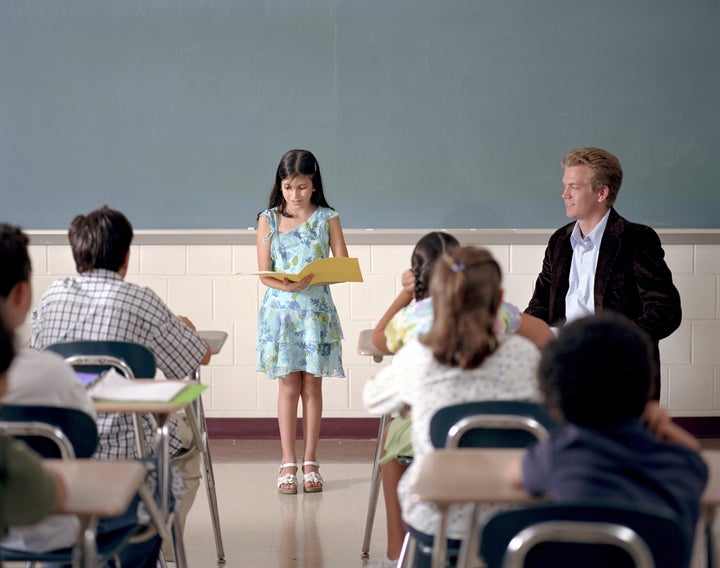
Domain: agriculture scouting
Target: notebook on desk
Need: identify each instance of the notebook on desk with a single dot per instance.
(113, 386)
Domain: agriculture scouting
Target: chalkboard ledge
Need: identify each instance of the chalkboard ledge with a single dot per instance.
(373, 236)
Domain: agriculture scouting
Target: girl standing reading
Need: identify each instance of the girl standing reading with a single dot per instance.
(299, 330)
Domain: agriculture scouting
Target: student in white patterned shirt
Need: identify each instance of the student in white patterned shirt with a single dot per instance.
(99, 304)
(43, 378)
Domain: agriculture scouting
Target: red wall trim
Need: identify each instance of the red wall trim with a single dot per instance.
(701, 426)
(367, 428)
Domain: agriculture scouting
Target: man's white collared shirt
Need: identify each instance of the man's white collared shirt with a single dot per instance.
(580, 299)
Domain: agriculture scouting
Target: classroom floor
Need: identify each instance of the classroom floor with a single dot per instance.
(262, 529)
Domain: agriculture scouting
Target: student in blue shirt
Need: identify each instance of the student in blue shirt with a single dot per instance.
(615, 444)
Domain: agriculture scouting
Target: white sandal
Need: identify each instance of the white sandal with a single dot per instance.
(312, 477)
(287, 479)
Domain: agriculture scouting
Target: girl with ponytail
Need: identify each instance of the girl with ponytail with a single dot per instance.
(461, 358)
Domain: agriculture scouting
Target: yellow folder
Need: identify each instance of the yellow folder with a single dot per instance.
(330, 270)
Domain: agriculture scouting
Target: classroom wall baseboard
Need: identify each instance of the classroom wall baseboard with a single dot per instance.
(367, 428)
(700, 426)
(267, 428)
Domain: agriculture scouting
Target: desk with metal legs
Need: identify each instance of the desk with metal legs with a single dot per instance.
(96, 488)
(366, 347)
(196, 417)
(479, 476)
(161, 411)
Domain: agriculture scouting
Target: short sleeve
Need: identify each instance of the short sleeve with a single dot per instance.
(395, 331)
(27, 490)
(536, 468)
(325, 214)
(508, 318)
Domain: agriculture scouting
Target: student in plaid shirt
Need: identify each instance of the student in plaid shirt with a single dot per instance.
(43, 378)
(99, 304)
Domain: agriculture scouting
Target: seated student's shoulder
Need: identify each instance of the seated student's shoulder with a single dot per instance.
(515, 343)
(138, 296)
(30, 364)
(44, 378)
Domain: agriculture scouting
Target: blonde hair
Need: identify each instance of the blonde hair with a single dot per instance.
(465, 288)
(606, 169)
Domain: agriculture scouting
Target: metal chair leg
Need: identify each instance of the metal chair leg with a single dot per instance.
(196, 418)
(375, 479)
(178, 543)
(408, 552)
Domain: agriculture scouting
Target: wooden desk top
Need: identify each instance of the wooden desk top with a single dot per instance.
(367, 347)
(101, 488)
(468, 474)
(138, 407)
(215, 339)
(479, 475)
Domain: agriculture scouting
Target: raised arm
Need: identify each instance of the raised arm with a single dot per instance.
(403, 299)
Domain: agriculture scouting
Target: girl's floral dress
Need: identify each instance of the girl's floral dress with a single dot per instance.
(299, 331)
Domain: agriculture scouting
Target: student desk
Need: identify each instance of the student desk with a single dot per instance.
(479, 475)
(162, 411)
(215, 340)
(366, 347)
(96, 488)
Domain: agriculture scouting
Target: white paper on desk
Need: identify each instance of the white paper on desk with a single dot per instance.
(114, 386)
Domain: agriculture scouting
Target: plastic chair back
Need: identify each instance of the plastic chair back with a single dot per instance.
(585, 534)
(490, 424)
(44, 428)
(89, 355)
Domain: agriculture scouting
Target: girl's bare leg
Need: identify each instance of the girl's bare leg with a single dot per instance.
(289, 389)
(312, 414)
(391, 473)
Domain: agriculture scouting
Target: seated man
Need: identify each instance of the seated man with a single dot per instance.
(99, 304)
(43, 378)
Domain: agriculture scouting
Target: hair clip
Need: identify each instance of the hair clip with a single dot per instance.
(457, 267)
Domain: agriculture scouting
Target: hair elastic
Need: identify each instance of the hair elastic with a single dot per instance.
(457, 267)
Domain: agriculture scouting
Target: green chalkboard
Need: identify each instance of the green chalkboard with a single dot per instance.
(422, 113)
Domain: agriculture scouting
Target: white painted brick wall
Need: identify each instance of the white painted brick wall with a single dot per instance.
(199, 281)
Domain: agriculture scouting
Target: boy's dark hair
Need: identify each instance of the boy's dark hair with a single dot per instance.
(297, 163)
(465, 290)
(426, 252)
(100, 239)
(14, 258)
(598, 372)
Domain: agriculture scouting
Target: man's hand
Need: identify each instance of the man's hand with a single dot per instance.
(659, 422)
(187, 322)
